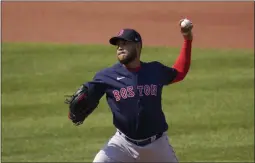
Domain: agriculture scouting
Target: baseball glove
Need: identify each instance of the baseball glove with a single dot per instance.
(80, 106)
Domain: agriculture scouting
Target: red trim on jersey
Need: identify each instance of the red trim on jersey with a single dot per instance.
(182, 64)
(134, 69)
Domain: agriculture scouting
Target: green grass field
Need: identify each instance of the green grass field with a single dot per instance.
(210, 113)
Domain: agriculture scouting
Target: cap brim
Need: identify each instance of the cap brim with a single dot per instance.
(114, 40)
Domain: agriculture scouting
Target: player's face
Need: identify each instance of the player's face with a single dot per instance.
(126, 51)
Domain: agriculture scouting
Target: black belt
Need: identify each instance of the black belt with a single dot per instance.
(143, 142)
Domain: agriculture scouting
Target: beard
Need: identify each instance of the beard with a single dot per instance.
(129, 58)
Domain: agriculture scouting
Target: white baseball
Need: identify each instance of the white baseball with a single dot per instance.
(185, 23)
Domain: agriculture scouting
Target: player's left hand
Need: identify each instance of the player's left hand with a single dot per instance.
(186, 28)
(79, 106)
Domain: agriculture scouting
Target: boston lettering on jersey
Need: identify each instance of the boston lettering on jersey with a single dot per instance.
(128, 92)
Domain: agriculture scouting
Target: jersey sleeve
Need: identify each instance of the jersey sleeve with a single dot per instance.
(166, 74)
(96, 87)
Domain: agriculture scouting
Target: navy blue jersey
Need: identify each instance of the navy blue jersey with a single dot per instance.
(134, 97)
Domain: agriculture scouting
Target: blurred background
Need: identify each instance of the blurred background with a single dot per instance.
(217, 24)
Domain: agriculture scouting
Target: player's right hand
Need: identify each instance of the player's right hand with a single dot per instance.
(186, 28)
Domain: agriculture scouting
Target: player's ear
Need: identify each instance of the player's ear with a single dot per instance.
(139, 48)
(139, 45)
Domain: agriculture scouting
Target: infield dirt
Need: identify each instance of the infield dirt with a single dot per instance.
(216, 24)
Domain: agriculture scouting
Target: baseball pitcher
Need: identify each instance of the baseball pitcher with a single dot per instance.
(133, 91)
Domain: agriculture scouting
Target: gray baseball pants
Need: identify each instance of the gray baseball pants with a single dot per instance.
(118, 149)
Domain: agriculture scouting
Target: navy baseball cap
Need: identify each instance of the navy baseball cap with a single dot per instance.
(126, 34)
